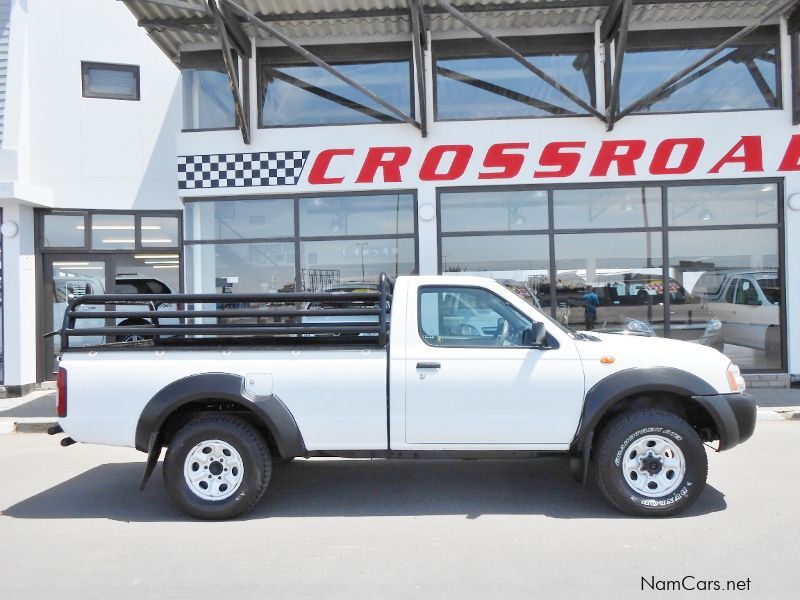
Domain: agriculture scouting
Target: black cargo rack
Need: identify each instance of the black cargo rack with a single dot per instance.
(290, 330)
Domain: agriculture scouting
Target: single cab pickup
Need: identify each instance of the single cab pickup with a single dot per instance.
(245, 382)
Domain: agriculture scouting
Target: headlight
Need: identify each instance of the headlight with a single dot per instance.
(640, 327)
(713, 325)
(735, 379)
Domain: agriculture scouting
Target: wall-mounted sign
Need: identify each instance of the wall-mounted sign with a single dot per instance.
(513, 160)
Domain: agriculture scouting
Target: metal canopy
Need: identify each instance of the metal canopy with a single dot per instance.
(233, 23)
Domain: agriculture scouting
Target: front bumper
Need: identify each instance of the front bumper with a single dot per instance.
(734, 416)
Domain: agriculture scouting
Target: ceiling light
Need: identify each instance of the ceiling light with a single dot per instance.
(161, 262)
(148, 256)
(70, 264)
(117, 241)
(166, 266)
(157, 240)
(706, 215)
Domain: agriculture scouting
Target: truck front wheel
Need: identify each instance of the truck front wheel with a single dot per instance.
(650, 463)
(217, 467)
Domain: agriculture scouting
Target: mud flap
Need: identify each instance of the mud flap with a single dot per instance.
(153, 452)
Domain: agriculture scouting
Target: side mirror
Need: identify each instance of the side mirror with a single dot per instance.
(534, 336)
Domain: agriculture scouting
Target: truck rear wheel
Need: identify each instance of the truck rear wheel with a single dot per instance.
(217, 467)
(650, 463)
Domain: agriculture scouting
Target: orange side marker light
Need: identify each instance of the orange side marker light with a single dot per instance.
(607, 360)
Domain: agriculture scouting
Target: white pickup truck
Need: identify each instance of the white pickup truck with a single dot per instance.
(229, 398)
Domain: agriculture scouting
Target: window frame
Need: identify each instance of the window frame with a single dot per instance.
(421, 289)
(779, 226)
(127, 68)
(335, 55)
(525, 45)
(794, 49)
(87, 231)
(196, 60)
(704, 38)
(297, 239)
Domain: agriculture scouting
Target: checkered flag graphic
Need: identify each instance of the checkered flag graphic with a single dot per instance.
(249, 169)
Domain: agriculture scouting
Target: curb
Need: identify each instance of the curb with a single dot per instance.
(26, 425)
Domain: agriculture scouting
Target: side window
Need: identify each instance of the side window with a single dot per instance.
(469, 317)
(749, 293)
(153, 286)
(125, 287)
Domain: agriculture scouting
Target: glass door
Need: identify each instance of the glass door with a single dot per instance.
(66, 277)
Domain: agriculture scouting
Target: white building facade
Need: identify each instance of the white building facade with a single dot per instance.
(451, 154)
(72, 143)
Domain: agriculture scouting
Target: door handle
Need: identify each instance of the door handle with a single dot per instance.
(429, 365)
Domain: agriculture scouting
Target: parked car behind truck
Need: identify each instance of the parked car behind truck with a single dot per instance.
(68, 288)
(747, 305)
(228, 400)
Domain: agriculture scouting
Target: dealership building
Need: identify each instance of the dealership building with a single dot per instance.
(648, 149)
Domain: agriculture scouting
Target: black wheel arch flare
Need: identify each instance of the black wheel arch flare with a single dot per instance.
(269, 410)
(610, 390)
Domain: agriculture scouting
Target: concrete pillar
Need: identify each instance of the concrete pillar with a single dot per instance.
(19, 301)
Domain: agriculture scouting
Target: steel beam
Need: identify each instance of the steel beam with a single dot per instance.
(509, 51)
(504, 92)
(795, 62)
(333, 97)
(793, 20)
(318, 61)
(418, 41)
(611, 20)
(620, 24)
(233, 80)
(779, 10)
(236, 31)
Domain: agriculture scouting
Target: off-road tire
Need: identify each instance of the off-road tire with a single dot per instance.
(618, 441)
(238, 435)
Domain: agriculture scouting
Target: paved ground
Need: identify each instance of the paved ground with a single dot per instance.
(73, 525)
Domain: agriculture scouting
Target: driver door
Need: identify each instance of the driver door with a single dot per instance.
(472, 382)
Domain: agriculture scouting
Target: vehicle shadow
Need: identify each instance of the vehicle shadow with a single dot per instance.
(353, 488)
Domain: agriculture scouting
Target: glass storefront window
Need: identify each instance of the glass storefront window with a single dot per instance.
(494, 211)
(386, 214)
(113, 232)
(623, 271)
(607, 207)
(64, 231)
(723, 285)
(519, 262)
(337, 262)
(709, 205)
(159, 232)
(735, 282)
(337, 246)
(240, 219)
(741, 77)
(257, 268)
